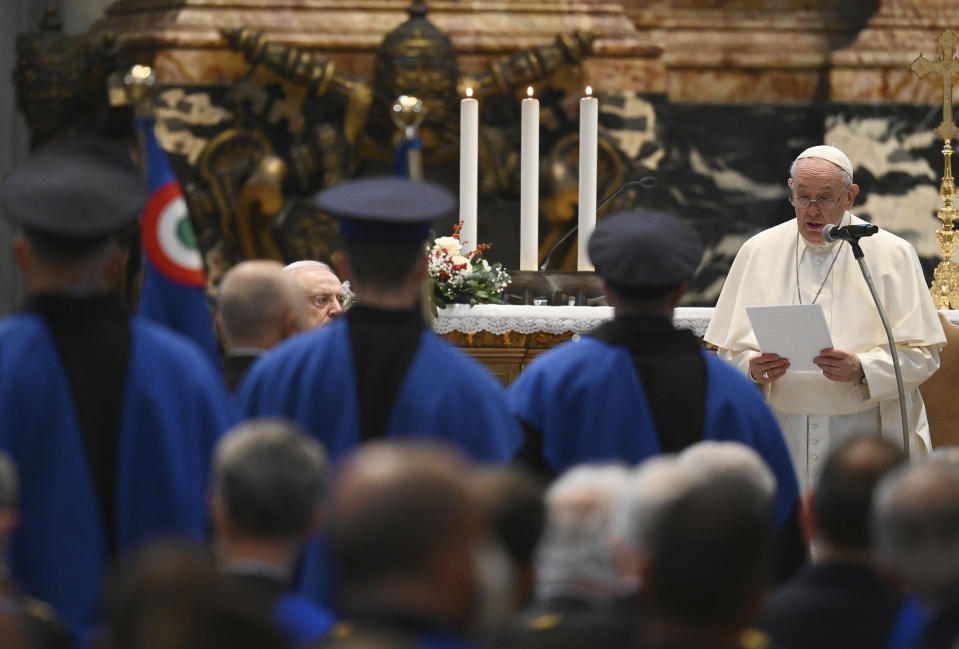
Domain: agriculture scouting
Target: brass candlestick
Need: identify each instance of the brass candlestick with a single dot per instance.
(945, 283)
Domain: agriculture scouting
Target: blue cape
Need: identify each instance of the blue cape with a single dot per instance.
(175, 408)
(446, 395)
(587, 401)
(303, 622)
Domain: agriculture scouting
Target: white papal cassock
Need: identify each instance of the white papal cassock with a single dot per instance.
(778, 267)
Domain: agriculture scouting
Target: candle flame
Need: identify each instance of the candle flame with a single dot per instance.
(589, 91)
(529, 91)
(469, 92)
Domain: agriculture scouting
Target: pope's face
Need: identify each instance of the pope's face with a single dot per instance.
(819, 181)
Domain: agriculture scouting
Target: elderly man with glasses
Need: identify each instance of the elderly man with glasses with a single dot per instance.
(326, 297)
(855, 389)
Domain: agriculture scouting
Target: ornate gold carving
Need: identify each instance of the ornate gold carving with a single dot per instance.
(224, 164)
(319, 76)
(945, 284)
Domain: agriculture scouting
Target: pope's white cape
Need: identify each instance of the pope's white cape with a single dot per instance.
(764, 273)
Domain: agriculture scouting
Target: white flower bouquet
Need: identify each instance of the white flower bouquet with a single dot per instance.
(459, 278)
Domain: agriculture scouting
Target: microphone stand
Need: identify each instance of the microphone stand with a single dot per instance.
(646, 182)
(859, 255)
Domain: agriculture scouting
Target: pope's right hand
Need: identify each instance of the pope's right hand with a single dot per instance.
(766, 368)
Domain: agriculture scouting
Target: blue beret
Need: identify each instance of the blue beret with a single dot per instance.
(82, 188)
(385, 209)
(644, 249)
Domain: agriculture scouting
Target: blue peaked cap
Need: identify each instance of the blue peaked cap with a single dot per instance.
(385, 209)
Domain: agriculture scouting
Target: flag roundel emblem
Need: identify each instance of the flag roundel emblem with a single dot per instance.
(168, 237)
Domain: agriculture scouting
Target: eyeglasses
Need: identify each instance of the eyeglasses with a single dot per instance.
(803, 202)
(324, 301)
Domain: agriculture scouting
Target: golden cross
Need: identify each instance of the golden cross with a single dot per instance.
(947, 65)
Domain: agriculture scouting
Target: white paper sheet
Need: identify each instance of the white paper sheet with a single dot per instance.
(797, 332)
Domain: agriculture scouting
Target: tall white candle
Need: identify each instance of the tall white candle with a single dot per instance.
(469, 169)
(529, 185)
(588, 138)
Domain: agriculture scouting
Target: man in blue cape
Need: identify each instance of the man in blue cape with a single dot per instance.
(111, 419)
(636, 386)
(379, 371)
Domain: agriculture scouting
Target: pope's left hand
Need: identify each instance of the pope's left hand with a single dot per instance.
(838, 365)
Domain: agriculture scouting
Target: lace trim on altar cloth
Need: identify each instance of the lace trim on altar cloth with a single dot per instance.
(504, 318)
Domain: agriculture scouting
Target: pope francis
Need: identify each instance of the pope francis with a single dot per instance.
(855, 392)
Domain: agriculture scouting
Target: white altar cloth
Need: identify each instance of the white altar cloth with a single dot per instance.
(502, 318)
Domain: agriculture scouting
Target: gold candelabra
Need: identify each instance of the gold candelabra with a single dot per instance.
(945, 282)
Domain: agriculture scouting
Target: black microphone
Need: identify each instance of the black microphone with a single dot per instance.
(647, 182)
(851, 233)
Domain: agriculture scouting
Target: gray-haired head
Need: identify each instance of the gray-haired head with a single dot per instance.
(916, 527)
(270, 477)
(9, 483)
(574, 556)
(651, 488)
(713, 462)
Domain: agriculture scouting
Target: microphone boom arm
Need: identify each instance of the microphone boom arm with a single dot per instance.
(647, 181)
(860, 258)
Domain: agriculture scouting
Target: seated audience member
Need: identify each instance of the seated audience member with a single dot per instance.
(112, 417)
(325, 296)
(576, 578)
(170, 597)
(575, 567)
(710, 460)
(840, 600)
(916, 529)
(418, 564)
(257, 307)
(27, 623)
(703, 578)
(514, 500)
(268, 483)
(637, 386)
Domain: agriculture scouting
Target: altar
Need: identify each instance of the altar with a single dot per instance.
(506, 337)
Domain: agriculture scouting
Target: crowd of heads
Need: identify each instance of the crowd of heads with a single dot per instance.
(416, 527)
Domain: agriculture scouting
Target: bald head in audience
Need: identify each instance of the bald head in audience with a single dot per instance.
(838, 509)
(257, 306)
(410, 539)
(321, 291)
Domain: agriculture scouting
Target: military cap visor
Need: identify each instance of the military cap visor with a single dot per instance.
(385, 209)
(644, 249)
(82, 188)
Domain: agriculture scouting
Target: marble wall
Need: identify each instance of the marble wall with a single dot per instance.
(713, 98)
